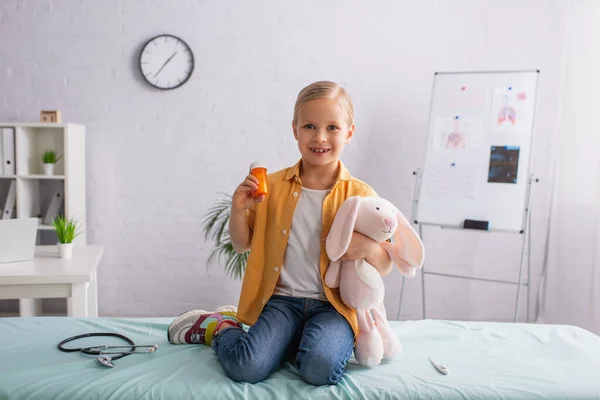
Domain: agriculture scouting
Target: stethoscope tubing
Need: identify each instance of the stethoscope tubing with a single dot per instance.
(99, 350)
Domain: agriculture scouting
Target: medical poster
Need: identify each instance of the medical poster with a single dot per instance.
(509, 110)
(504, 164)
(464, 97)
(453, 179)
(456, 133)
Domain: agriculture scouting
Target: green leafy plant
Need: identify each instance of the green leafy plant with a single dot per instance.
(66, 229)
(215, 225)
(50, 157)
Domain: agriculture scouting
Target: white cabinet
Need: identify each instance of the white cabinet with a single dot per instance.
(34, 189)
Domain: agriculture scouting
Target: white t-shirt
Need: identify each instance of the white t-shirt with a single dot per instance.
(300, 275)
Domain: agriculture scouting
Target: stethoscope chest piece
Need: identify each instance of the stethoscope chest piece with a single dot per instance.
(106, 361)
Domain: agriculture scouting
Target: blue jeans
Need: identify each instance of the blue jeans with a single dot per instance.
(310, 333)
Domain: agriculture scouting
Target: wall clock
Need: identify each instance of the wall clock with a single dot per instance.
(166, 62)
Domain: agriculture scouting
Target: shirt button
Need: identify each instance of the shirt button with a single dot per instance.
(264, 301)
(284, 232)
(295, 194)
(276, 269)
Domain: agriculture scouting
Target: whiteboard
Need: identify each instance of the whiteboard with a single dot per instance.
(478, 150)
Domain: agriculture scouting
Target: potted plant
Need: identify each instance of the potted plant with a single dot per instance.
(50, 158)
(215, 225)
(66, 231)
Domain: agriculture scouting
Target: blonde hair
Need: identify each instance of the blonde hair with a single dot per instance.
(328, 90)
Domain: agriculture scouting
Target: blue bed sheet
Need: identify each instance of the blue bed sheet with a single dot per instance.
(486, 361)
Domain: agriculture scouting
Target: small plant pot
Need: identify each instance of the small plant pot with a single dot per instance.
(65, 250)
(48, 169)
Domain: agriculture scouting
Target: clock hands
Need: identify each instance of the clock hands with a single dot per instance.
(166, 62)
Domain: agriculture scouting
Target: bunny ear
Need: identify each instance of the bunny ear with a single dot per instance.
(405, 268)
(409, 246)
(340, 234)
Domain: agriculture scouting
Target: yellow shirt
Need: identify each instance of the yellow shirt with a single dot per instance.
(270, 223)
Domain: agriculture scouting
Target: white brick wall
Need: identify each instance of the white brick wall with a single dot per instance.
(156, 159)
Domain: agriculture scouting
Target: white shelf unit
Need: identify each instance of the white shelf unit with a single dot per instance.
(34, 189)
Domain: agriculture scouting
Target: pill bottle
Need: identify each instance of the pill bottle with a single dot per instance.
(259, 170)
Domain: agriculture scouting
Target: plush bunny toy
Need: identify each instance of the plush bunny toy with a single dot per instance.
(361, 285)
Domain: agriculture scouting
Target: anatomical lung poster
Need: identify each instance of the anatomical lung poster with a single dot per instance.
(509, 110)
(456, 133)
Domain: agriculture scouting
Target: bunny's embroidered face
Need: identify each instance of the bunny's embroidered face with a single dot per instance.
(377, 218)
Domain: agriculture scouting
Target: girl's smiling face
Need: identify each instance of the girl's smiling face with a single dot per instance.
(322, 130)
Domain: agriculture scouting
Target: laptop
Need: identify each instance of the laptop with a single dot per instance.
(17, 239)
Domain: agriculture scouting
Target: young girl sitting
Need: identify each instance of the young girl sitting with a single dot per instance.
(292, 315)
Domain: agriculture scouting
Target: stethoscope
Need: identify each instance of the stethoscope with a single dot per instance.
(100, 351)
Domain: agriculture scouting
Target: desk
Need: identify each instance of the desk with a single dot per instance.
(48, 276)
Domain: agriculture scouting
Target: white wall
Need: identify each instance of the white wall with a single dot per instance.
(156, 159)
(572, 294)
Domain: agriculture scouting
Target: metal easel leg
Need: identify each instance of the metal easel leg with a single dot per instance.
(422, 278)
(520, 276)
(401, 295)
(416, 173)
(525, 233)
(528, 262)
(528, 297)
(528, 280)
